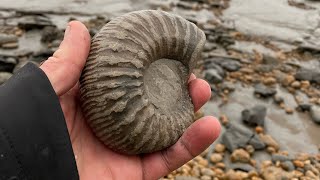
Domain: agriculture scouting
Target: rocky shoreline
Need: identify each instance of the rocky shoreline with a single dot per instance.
(265, 90)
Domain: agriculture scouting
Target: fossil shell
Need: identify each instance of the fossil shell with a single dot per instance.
(134, 90)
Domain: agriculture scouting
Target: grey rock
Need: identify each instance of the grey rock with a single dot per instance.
(278, 99)
(264, 91)
(4, 76)
(225, 62)
(256, 142)
(34, 21)
(287, 165)
(255, 116)
(286, 68)
(209, 47)
(186, 5)
(270, 60)
(304, 107)
(304, 74)
(227, 86)
(51, 33)
(7, 38)
(311, 75)
(218, 68)
(242, 167)
(238, 136)
(212, 76)
(264, 68)
(300, 169)
(185, 178)
(231, 65)
(280, 157)
(315, 114)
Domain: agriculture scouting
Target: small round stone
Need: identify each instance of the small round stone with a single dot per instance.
(219, 148)
(216, 157)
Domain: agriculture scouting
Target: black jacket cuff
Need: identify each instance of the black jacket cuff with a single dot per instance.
(34, 140)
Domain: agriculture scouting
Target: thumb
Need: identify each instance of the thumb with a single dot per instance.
(64, 67)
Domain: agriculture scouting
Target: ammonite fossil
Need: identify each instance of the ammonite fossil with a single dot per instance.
(134, 87)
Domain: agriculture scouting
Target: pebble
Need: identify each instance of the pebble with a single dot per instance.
(259, 129)
(28, 22)
(240, 155)
(287, 165)
(11, 45)
(271, 150)
(305, 84)
(304, 107)
(205, 177)
(289, 110)
(288, 80)
(269, 141)
(311, 175)
(254, 116)
(216, 157)
(264, 91)
(219, 148)
(298, 163)
(280, 157)
(275, 173)
(297, 174)
(212, 76)
(224, 120)
(250, 149)
(296, 84)
(278, 99)
(242, 167)
(269, 81)
(315, 114)
(185, 178)
(236, 175)
(220, 165)
(7, 38)
(207, 172)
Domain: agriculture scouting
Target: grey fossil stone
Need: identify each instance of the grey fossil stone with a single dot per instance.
(134, 91)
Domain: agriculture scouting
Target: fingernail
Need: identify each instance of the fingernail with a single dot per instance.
(67, 31)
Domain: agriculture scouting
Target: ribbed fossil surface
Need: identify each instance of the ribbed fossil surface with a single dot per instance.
(134, 87)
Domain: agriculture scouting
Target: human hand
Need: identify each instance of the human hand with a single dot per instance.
(94, 160)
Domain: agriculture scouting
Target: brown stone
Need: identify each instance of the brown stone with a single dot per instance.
(240, 155)
(259, 129)
(305, 84)
(269, 81)
(311, 175)
(298, 163)
(289, 110)
(220, 165)
(297, 173)
(275, 173)
(219, 148)
(250, 149)
(224, 119)
(207, 172)
(269, 141)
(288, 80)
(11, 45)
(296, 84)
(271, 150)
(216, 157)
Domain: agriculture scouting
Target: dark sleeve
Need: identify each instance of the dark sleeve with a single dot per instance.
(34, 140)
